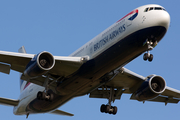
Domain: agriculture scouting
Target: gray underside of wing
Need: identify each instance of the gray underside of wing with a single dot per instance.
(16, 61)
(59, 112)
(19, 61)
(125, 81)
(128, 82)
(64, 66)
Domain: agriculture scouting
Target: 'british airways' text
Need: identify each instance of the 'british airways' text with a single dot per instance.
(109, 37)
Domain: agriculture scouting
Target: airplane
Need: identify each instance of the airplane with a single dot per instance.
(97, 68)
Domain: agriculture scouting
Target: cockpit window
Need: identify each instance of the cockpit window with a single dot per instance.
(146, 9)
(158, 8)
(153, 8)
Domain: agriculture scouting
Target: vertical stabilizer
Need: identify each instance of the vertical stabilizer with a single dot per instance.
(22, 82)
(22, 50)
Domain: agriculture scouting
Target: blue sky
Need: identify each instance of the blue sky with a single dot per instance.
(61, 27)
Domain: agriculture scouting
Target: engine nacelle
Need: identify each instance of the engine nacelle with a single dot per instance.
(151, 88)
(40, 64)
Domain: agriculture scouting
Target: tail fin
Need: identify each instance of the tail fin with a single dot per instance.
(21, 50)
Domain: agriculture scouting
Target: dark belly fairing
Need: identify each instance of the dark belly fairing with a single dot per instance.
(87, 77)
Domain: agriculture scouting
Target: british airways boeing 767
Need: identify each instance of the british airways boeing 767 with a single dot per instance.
(97, 68)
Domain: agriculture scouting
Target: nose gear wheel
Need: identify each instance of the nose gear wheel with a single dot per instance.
(148, 56)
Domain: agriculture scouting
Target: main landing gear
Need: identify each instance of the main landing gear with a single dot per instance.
(108, 108)
(45, 95)
(148, 56)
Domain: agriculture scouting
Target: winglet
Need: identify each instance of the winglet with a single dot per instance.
(59, 112)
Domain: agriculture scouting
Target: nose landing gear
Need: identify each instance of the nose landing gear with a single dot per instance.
(148, 56)
(150, 44)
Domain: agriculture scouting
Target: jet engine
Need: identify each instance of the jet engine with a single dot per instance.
(151, 88)
(40, 64)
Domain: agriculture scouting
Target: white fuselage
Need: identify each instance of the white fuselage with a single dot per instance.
(143, 20)
(136, 20)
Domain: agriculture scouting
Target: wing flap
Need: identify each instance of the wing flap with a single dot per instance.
(165, 99)
(105, 94)
(160, 98)
(4, 68)
(10, 102)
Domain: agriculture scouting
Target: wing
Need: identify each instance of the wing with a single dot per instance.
(64, 66)
(126, 81)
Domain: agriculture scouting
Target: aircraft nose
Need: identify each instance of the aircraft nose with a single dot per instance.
(164, 19)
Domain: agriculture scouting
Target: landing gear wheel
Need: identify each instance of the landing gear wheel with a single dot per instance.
(103, 108)
(107, 109)
(145, 57)
(44, 96)
(51, 97)
(39, 95)
(150, 58)
(114, 110)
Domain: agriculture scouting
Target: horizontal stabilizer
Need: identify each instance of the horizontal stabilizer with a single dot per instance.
(59, 112)
(10, 102)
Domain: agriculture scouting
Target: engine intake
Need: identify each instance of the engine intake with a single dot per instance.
(151, 88)
(40, 64)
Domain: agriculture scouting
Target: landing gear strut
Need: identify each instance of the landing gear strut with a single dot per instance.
(45, 95)
(108, 108)
(148, 56)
